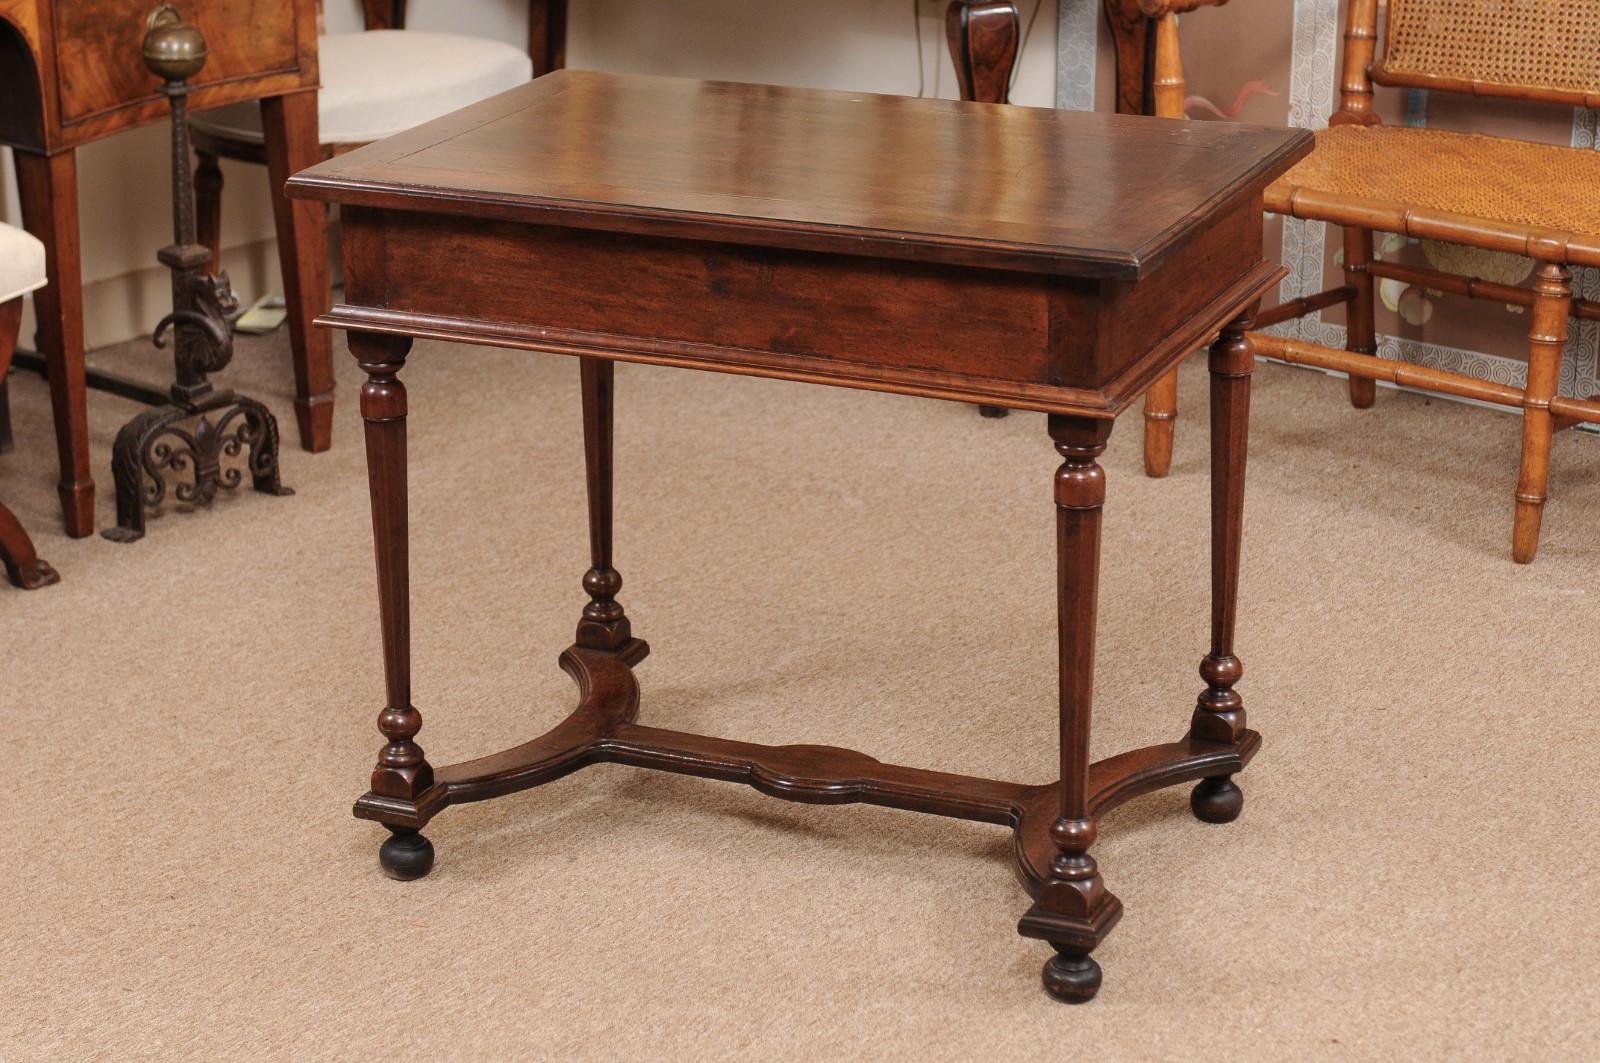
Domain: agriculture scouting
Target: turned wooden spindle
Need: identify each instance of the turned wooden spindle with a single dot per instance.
(1161, 401)
(1361, 323)
(402, 770)
(1073, 909)
(604, 625)
(1547, 338)
(1355, 79)
(1219, 711)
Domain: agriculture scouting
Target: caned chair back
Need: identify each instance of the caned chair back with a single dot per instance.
(1527, 49)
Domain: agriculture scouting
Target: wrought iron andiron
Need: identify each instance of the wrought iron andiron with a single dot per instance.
(156, 442)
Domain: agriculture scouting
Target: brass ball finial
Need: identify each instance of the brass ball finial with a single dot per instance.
(173, 50)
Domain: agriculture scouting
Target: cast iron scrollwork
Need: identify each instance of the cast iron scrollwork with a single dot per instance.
(161, 450)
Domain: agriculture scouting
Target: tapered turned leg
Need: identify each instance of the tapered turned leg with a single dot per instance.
(1161, 401)
(603, 626)
(1160, 421)
(1073, 910)
(1361, 322)
(402, 770)
(49, 189)
(290, 126)
(983, 36)
(1219, 711)
(208, 206)
(1547, 337)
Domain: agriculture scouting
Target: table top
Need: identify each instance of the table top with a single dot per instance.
(1062, 192)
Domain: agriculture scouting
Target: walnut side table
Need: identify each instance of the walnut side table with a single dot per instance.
(1039, 260)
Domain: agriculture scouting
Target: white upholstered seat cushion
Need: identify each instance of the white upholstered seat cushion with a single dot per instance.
(21, 263)
(383, 82)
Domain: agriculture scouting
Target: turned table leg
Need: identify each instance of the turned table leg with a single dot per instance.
(48, 185)
(603, 626)
(402, 770)
(289, 124)
(1219, 711)
(1073, 909)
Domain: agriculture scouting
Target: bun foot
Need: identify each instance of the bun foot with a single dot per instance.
(406, 856)
(993, 411)
(1217, 800)
(1072, 977)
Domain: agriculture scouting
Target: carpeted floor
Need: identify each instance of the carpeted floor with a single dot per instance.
(186, 722)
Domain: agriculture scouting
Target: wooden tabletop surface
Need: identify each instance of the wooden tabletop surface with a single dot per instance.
(1015, 187)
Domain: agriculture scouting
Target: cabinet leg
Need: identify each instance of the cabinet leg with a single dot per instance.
(208, 206)
(1073, 910)
(290, 126)
(1219, 711)
(49, 190)
(402, 770)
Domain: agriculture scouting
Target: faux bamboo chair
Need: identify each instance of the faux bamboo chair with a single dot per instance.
(1490, 193)
(21, 271)
(1166, 98)
(374, 84)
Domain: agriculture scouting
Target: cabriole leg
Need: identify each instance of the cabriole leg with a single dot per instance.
(1073, 910)
(1219, 711)
(402, 770)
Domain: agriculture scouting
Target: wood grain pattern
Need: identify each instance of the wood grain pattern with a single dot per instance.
(1020, 188)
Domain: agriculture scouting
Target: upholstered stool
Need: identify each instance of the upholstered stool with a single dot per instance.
(374, 84)
(21, 271)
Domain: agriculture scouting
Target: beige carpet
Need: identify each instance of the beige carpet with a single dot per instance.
(187, 720)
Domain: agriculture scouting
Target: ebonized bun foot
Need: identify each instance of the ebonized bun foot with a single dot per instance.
(407, 855)
(993, 411)
(1217, 800)
(1072, 977)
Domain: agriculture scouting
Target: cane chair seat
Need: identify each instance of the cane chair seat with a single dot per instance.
(1542, 200)
(382, 82)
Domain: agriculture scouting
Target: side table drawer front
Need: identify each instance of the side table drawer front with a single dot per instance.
(98, 46)
(742, 305)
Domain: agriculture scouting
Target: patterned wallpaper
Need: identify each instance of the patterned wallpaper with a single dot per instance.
(1276, 62)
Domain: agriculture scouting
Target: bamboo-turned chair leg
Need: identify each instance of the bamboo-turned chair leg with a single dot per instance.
(1361, 322)
(1161, 401)
(984, 36)
(1547, 336)
(208, 206)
